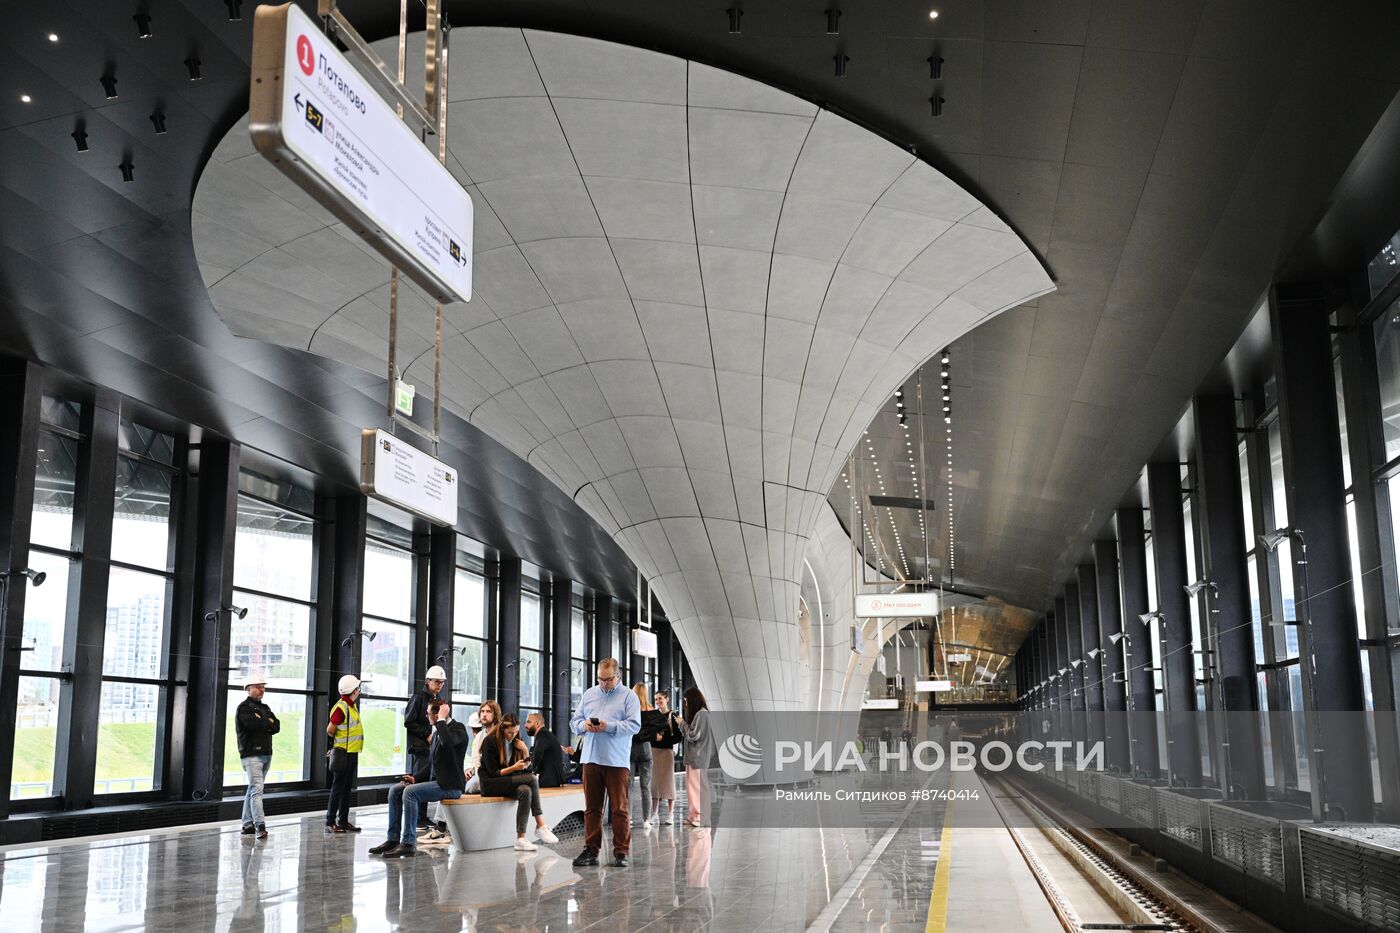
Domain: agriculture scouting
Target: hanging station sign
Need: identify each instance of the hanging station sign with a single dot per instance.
(644, 643)
(318, 120)
(403, 475)
(890, 605)
(932, 686)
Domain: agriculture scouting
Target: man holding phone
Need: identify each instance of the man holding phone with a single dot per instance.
(607, 717)
(439, 777)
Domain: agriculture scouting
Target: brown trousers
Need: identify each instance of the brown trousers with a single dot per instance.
(598, 780)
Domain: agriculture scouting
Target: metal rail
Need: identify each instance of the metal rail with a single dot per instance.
(1143, 886)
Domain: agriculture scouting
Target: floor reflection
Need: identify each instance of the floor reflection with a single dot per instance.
(750, 879)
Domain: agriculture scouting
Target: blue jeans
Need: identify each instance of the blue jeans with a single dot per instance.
(404, 801)
(256, 767)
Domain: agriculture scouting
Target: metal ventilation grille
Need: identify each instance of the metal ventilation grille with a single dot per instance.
(1139, 803)
(1110, 793)
(1251, 843)
(299, 804)
(1179, 817)
(1358, 880)
(123, 821)
(1089, 786)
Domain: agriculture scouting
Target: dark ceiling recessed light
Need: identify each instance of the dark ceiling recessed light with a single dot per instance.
(833, 22)
(235, 10)
(25, 99)
(109, 86)
(128, 170)
(143, 25)
(192, 64)
(935, 66)
(841, 62)
(53, 37)
(936, 103)
(735, 14)
(158, 121)
(79, 135)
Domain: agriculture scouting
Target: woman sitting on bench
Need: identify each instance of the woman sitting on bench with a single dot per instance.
(505, 772)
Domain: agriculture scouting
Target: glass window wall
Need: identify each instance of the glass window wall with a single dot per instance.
(273, 573)
(130, 746)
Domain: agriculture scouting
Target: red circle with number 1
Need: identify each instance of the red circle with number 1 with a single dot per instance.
(305, 56)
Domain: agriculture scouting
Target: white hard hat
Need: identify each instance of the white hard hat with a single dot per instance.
(252, 681)
(474, 722)
(349, 684)
(436, 673)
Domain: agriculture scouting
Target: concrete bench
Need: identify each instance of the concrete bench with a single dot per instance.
(479, 822)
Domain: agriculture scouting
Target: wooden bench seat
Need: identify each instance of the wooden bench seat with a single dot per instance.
(479, 822)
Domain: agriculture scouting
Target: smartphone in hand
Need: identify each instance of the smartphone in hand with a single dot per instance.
(594, 720)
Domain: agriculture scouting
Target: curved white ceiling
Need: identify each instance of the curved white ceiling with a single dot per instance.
(692, 294)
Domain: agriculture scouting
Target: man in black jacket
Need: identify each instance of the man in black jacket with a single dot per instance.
(255, 725)
(447, 745)
(547, 753)
(415, 721)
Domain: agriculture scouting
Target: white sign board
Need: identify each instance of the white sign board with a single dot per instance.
(959, 658)
(644, 643)
(401, 474)
(880, 704)
(889, 605)
(932, 686)
(319, 121)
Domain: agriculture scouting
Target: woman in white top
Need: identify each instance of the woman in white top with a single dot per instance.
(490, 716)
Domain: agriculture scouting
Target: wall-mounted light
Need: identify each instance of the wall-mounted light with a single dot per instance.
(1095, 652)
(349, 640)
(235, 611)
(35, 577)
(1271, 540)
(1116, 637)
(1194, 589)
(1147, 618)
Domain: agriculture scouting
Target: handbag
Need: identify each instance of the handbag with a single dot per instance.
(671, 737)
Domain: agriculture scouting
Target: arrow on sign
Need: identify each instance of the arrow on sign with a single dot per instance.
(297, 100)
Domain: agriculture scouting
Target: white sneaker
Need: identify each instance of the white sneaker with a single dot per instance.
(524, 845)
(666, 820)
(436, 836)
(543, 834)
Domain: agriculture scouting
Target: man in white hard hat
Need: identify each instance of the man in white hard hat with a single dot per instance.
(347, 734)
(255, 724)
(420, 731)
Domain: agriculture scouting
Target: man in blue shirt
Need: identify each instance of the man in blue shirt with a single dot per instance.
(607, 717)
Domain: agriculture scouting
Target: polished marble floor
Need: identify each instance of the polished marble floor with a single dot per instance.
(724, 879)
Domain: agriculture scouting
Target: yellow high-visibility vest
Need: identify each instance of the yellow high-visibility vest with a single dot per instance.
(350, 734)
